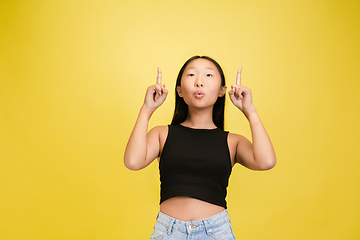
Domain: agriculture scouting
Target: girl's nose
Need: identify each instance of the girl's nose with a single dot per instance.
(199, 82)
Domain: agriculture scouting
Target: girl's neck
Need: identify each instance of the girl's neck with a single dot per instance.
(201, 119)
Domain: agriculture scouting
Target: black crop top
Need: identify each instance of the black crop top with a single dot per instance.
(195, 163)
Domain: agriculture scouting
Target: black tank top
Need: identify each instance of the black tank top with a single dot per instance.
(195, 163)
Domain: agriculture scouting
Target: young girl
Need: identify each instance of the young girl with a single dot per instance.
(195, 154)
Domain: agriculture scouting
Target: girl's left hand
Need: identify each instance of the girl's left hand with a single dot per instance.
(240, 95)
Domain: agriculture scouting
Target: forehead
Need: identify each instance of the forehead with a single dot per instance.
(201, 63)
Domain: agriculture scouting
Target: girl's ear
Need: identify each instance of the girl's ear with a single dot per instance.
(222, 91)
(178, 89)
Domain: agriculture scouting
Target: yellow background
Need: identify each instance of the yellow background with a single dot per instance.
(73, 76)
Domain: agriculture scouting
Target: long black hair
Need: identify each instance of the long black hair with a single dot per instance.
(181, 108)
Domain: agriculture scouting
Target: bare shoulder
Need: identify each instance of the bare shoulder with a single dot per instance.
(237, 143)
(160, 133)
(236, 139)
(159, 130)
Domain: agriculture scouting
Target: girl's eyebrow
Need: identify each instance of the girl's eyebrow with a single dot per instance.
(205, 68)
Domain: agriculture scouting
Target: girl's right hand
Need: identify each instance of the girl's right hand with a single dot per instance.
(155, 94)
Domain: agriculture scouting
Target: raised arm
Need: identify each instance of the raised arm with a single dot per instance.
(260, 154)
(142, 147)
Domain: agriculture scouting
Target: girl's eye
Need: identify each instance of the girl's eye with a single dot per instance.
(191, 75)
(209, 75)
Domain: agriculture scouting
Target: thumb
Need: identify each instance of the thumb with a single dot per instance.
(232, 95)
(164, 92)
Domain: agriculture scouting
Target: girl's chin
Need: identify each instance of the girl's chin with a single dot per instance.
(200, 106)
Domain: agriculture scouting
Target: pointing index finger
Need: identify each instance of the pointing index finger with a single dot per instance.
(238, 78)
(158, 80)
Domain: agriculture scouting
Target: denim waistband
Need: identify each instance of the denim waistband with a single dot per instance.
(193, 226)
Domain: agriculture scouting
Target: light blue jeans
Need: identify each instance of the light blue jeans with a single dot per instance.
(215, 227)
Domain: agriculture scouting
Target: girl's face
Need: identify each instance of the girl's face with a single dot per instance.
(201, 84)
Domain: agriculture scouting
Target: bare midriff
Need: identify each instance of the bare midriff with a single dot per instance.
(189, 209)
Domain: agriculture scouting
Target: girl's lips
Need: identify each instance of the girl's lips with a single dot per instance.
(199, 94)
